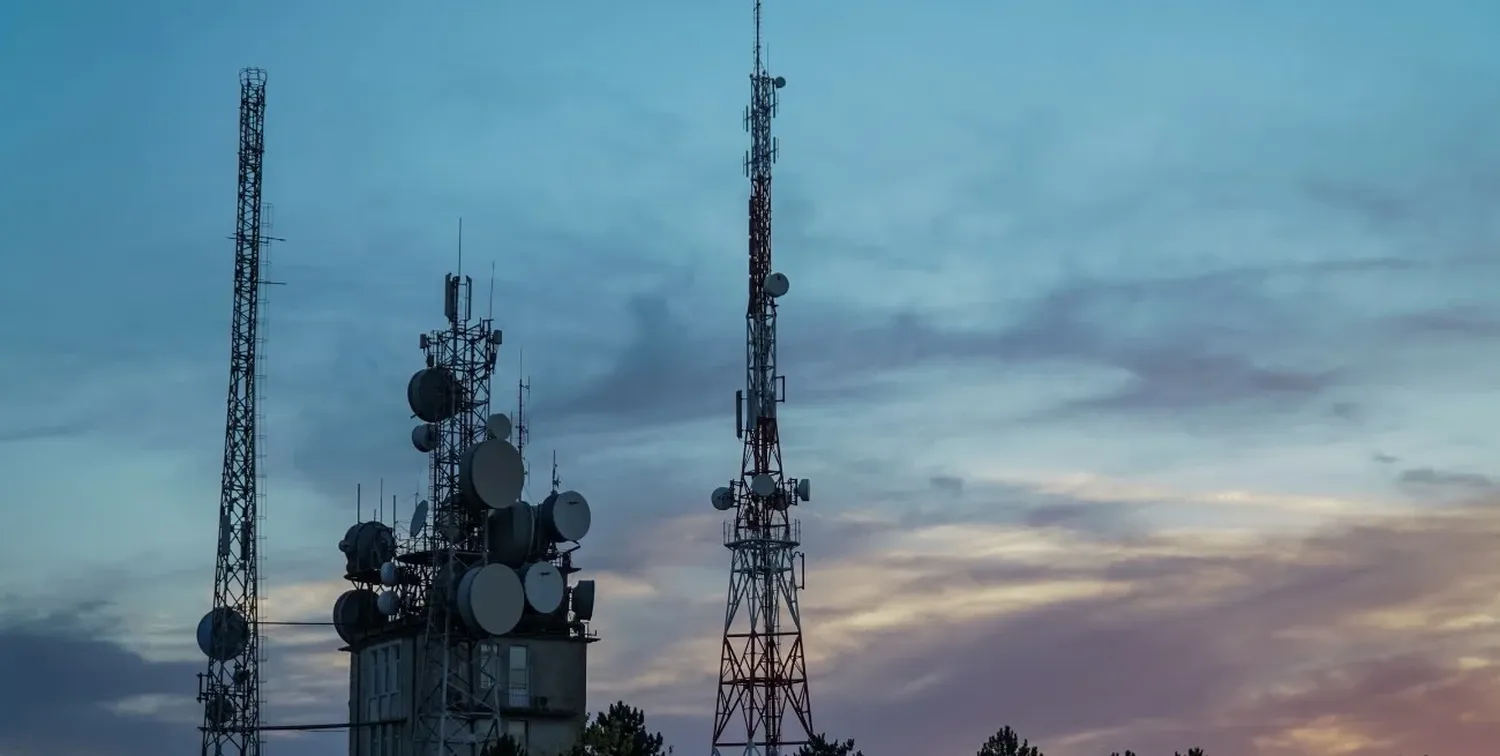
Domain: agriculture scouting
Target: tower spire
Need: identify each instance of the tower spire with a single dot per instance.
(762, 667)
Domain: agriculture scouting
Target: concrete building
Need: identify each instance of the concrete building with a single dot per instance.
(539, 679)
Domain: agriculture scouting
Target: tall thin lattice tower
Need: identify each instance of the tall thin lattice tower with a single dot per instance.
(457, 704)
(762, 667)
(230, 633)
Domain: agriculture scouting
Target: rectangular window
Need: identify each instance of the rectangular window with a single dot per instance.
(519, 677)
(516, 729)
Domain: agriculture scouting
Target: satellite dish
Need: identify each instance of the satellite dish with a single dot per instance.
(492, 473)
(544, 586)
(777, 285)
(390, 574)
(433, 394)
(564, 517)
(804, 490)
(369, 545)
(389, 602)
(510, 532)
(219, 708)
(355, 614)
(583, 600)
(498, 427)
(425, 437)
(419, 519)
(491, 599)
(763, 485)
(778, 82)
(723, 498)
(223, 634)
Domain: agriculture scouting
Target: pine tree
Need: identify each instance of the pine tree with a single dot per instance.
(1007, 743)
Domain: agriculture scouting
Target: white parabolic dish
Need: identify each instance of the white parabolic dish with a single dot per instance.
(498, 426)
(763, 485)
(493, 473)
(567, 516)
(491, 599)
(510, 532)
(544, 587)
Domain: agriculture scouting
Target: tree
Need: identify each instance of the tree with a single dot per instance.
(505, 746)
(1191, 752)
(619, 731)
(1007, 743)
(820, 745)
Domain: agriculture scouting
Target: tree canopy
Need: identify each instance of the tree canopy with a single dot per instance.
(620, 730)
(505, 746)
(820, 745)
(1007, 743)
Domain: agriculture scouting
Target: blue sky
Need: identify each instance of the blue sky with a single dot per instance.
(1139, 353)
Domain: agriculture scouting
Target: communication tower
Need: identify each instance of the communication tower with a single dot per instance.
(762, 666)
(229, 634)
(466, 629)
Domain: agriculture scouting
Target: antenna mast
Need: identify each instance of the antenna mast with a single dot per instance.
(454, 708)
(762, 667)
(229, 635)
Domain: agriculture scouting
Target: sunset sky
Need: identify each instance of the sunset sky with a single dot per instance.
(1142, 355)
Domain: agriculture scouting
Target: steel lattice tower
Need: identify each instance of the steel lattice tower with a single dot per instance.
(762, 667)
(452, 712)
(230, 689)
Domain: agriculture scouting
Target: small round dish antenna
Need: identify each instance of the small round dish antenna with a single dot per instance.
(433, 394)
(389, 602)
(219, 708)
(778, 82)
(804, 490)
(491, 599)
(510, 534)
(498, 427)
(565, 517)
(492, 474)
(418, 519)
(763, 485)
(544, 586)
(425, 437)
(390, 574)
(777, 285)
(223, 634)
(583, 600)
(723, 498)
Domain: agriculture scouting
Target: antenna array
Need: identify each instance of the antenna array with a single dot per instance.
(229, 634)
(762, 667)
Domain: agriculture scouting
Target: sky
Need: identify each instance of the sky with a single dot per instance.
(1139, 354)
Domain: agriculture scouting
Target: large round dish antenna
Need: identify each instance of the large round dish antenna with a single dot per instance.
(355, 614)
(763, 485)
(583, 600)
(425, 437)
(492, 473)
(497, 427)
(565, 517)
(223, 634)
(418, 519)
(389, 602)
(433, 394)
(372, 545)
(491, 599)
(723, 498)
(511, 532)
(804, 490)
(544, 585)
(777, 285)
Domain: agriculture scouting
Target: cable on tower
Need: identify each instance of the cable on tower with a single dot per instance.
(762, 666)
(229, 634)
